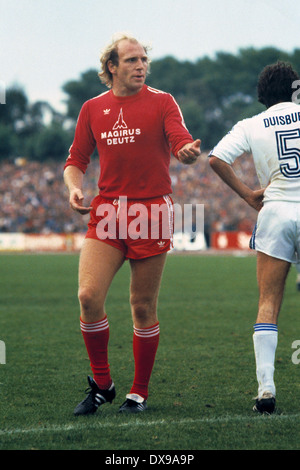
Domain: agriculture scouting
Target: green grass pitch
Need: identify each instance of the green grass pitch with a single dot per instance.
(203, 382)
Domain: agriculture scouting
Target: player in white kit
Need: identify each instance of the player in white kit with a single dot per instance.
(273, 138)
(298, 276)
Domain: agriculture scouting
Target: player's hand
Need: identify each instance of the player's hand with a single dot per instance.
(255, 200)
(189, 152)
(76, 202)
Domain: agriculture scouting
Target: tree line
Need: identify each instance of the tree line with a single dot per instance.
(213, 94)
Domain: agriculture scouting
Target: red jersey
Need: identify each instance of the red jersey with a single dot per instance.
(134, 136)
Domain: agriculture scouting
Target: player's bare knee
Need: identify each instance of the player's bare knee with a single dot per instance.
(86, 298)
(142, 310)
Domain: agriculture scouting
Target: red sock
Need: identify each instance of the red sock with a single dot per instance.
(96, 336)
(145, 343)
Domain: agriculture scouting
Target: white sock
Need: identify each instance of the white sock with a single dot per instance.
(265, 339)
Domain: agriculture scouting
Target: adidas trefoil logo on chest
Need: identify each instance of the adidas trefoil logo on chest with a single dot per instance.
(120, 133)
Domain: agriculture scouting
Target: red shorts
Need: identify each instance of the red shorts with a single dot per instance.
(139, 228)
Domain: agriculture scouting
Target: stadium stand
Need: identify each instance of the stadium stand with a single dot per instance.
(33, 198)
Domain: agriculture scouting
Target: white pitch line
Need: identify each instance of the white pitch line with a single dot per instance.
(99, 425)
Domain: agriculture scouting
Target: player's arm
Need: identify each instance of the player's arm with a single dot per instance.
(182, 145)
(228, 175)
(78, 160)
(189, 152)
(73, 178)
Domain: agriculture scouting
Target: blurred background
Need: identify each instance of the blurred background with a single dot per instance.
(207, 54)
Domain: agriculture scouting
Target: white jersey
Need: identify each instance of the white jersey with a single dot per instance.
(273, 138)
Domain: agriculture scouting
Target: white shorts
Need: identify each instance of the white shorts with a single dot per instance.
(277, 232)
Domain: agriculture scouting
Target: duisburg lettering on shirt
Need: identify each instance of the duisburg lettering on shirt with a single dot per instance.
(282, 120)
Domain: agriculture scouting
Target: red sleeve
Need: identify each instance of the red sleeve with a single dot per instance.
(84, 143)
(175, 129)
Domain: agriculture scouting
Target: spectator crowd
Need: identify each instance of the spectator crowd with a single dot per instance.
(33, 197)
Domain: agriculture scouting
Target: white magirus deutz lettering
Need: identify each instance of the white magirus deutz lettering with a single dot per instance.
(120, 133)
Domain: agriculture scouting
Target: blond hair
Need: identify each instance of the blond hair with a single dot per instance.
(110, 53)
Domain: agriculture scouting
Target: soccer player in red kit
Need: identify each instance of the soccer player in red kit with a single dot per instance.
(135, 128)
